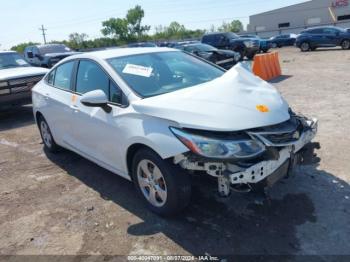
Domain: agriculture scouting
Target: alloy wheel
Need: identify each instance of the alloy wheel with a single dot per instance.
(346, 44)
(152, 183)
(305, 47)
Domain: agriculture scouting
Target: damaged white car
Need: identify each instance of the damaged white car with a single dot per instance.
(156, 115)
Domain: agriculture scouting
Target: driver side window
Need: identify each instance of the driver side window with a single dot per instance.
(91, 77)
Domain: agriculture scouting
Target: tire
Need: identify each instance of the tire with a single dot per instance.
(345, 45)
(251, 56)
(46, 136)
(305, 47)
(165, 188)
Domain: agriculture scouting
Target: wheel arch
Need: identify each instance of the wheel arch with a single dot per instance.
(130, 153)
(37, 115)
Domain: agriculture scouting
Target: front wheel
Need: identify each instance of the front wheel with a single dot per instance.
(166, 188)
(250, 56)
(345, 44)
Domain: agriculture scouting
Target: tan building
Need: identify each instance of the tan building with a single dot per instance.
(295, 18)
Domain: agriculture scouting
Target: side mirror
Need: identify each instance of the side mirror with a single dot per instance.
(30, 55)
(96, 98)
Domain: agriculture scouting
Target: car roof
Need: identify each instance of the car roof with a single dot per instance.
(119, 52)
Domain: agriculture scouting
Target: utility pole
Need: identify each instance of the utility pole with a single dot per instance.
(43, 32)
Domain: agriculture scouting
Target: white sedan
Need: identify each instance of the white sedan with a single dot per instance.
(155, 115)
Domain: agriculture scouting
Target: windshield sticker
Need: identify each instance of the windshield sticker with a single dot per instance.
(21, 62)
(138, 70)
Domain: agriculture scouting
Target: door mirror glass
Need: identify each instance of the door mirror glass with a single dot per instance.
(96, 98)
(30, 55)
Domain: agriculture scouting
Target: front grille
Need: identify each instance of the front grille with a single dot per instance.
(25, 80)
(281, 134)
(18, 85)
(283, 138)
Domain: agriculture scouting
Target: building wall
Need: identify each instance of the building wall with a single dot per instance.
(300, 16)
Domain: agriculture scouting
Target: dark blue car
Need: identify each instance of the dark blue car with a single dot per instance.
(328, 36)
(283, 40)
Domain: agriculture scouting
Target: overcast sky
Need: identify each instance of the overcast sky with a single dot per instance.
(20, 20)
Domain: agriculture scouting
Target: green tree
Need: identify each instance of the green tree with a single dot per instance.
(134, 18)
(128, 28)
(116, 27)
(234, 26)
(77, 41)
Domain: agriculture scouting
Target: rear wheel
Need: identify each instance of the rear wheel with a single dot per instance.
(46, 136)
(345, 44)
(305, 46)
(166, 188)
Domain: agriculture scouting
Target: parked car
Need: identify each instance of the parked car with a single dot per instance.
(247, 47)
(154, 115)
(265, 44)
(283, 40)
(47, 55)
(223, 58)
(328, 36)
(17, 78)
(142, 44)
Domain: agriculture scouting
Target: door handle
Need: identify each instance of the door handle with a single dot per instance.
(47, 96)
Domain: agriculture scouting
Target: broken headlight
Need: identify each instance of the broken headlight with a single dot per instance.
(219, 148)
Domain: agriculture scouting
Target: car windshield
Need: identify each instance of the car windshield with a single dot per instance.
(49, 49)
(202, 47)
(158, 73)
(10, 60)
(231, 35)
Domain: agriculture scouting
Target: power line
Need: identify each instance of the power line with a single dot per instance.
(43, 29)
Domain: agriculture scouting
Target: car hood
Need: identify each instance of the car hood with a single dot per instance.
(19, 72)
(228, 103)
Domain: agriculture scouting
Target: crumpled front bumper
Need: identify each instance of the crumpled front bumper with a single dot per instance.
(264, 169)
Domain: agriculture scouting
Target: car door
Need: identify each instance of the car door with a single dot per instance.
(58, 95)
(36, 56)
(330, 36)
(96, 133)
(28, 54)
(316, 37)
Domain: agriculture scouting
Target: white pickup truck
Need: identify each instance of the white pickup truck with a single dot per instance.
(17, 78)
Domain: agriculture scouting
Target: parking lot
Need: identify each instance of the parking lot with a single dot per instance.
(64, 204)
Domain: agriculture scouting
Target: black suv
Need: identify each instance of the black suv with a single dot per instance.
(47, 55)
(247, 47)
(328, 36)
